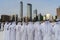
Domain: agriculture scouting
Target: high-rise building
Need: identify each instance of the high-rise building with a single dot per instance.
(21, 11)
(58, 12)
(29, 11)
(34, 13)
(36, 16)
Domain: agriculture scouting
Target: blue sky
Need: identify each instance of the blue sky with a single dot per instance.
(43, 6)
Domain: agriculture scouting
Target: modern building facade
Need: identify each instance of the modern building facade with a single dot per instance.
(29, 11)
(21, 10)
(34, 13)
(58, 12)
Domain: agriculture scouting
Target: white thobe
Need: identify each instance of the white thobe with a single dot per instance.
(30, 31)
(47, 30)
(57, 31)
(24, 31)
(38, 34)
(18, 31)
(53, 34)
(2, 26)
(6, 31)
(13, 31)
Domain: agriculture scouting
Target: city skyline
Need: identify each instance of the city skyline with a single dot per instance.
(42, 6)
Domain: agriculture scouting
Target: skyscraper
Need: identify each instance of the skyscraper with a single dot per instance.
(58, 12)
(21, 10)
(29, 11)
(35, 15)
(35, 12)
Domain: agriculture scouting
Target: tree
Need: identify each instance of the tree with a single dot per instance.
(41, 17)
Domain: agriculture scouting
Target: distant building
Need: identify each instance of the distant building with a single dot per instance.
(5, 18)
(58, 12)
(29, 11)
(54, 18)
(26, 19)
(35, 13)
(15, 18)
(21, 11)
(48, 17)
(44, 17)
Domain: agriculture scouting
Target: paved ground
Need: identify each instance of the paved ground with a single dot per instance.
(1, 35)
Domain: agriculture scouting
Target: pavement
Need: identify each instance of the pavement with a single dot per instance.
(1, 35)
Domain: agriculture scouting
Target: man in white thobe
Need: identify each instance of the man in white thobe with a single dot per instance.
(2, 26)
(53, 34)
(6, 31)
(38, 34)
(46, 30)
(13, 31)
(24, 31)
(18, 31)
(57, 30)
(30, 31)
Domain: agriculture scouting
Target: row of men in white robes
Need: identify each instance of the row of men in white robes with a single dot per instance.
(30, 31)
